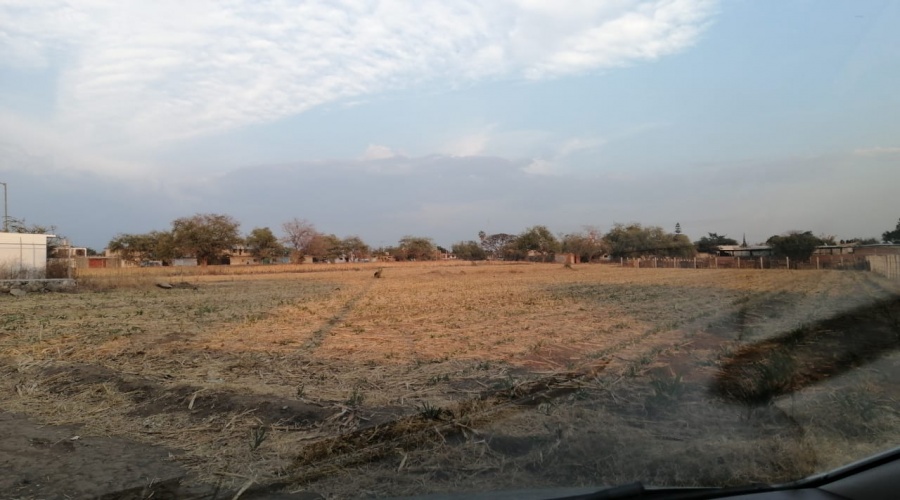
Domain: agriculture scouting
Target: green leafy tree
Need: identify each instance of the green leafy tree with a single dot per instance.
(468, 250)
(498, 246)
(263, 244)
(415, 248)
(708, 244)
(681, 247)
(537, 240)
(796, 245)
(136, 248)
(324, 248)
(335, 247)
(131, 247)
(208, 237)
(635, 240)
(354, 248)
(163, 247)
(892, 236)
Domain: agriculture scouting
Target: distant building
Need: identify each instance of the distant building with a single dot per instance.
(744, 251)
(834, 249)
(23, 255)
(99, 261)
(877, 249)
(66, 251)
(240, 255)
(113, 259)
(566, 258)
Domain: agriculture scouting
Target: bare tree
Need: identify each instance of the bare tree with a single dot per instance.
(299, 233)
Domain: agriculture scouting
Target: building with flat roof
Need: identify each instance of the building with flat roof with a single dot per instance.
(878, 249)
(23, 255)
(743, 251)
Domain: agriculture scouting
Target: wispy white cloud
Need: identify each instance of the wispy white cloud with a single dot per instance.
(558, 158)
(577, 144)
(378, 152)
(589, 35)
(133, 76)
(540, 166)
(26, 144)
(470, 144)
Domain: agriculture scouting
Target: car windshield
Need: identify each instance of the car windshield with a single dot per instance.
(380, 249)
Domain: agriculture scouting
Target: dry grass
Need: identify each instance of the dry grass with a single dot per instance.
(476, 376)
(131, 277)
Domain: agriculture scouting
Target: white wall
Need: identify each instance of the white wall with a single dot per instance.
(23, 252)
(885, 265)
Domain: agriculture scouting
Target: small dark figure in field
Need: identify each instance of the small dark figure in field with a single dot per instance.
(378, 273)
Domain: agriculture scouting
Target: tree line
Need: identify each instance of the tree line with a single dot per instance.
(211, 239)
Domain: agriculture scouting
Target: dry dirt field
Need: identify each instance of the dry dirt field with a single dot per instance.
(442, 377)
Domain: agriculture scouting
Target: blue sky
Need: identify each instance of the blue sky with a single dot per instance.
(441, 119)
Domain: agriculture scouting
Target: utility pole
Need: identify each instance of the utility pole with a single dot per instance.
(5, 215)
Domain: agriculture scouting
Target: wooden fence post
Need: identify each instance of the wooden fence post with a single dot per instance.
(787, 260)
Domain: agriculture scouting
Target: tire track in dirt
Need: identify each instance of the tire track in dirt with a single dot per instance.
(745, 319)
(315, 340)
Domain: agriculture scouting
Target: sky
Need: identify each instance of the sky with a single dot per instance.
(444, 118)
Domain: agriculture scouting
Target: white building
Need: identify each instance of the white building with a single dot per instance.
(23, 255)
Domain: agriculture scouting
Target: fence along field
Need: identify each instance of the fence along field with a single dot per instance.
(443, 376)
(818, 262)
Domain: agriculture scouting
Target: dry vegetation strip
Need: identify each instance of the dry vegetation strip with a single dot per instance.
(254, 370)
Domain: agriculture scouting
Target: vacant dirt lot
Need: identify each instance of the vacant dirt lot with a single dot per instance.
(444, 377)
